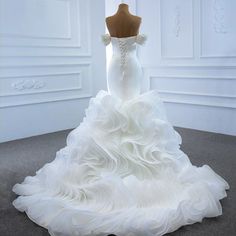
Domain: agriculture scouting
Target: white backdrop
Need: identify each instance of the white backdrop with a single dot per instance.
(51, 63)
(190, 57)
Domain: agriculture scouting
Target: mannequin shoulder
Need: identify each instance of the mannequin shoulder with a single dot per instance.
(110, 19)
(138, 19)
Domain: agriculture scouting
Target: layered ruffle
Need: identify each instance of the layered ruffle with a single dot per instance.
(121, 172)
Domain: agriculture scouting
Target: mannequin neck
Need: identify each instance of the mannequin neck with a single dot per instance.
(123, 8)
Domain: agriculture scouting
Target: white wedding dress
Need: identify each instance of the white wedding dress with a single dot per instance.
(122, 171)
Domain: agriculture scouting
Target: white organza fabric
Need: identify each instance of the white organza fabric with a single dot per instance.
(122, 171)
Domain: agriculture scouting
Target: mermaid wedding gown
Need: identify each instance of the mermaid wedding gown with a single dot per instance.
(122, 170)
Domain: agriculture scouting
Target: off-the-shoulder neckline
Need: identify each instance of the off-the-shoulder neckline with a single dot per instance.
(139, 38)
(124, 37)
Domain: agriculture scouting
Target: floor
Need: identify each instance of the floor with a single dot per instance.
(23, 157)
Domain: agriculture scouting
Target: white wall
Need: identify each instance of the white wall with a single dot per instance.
(190, 57)
(51, 63)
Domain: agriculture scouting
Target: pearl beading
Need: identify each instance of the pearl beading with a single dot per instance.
(123, 51)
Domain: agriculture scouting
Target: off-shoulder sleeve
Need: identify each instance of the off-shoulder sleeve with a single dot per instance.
(106, 39)
(141, 39)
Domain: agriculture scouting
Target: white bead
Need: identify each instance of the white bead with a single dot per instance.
(123, 52)
(106, 39)
(141, 39)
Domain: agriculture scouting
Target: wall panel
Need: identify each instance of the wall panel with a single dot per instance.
(190, 59)
(50, 57)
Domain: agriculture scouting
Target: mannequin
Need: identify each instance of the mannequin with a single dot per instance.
(123, 23)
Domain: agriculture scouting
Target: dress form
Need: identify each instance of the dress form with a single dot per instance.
(123, 23)
(122, 171)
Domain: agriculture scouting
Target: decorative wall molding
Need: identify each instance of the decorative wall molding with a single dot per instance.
(82, 45)
(224, 106)
(78, 45)
(28, 84)
(187, 77)
(55, 55)
(202, 86)
(193, 97)
(73, 46)
(32, 37)
(43, 52)
(218, 26)
(197, 94)
(34, 84)
(177, 22)
(177, 27)
(32, 61)
(56, 93)
(30, 89)
(219, 17)
(36, 87)
(48, 56)
(8, 35)
(41, 75)
(15, 35)
(190, 66)
(217, 56)
(45, 65)
(40, 101)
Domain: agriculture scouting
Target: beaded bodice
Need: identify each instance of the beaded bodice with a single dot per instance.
(124, 73)
(124, 47)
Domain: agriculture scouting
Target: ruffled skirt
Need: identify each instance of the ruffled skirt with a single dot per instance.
(122, 172)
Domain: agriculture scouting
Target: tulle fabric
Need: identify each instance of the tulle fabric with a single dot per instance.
(121, 172)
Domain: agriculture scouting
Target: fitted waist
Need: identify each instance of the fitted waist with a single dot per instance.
(129, 56)
(120, 53)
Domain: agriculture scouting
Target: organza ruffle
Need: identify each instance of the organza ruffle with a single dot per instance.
(121, 172)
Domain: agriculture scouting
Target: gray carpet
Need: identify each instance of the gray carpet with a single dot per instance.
(23, 157)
